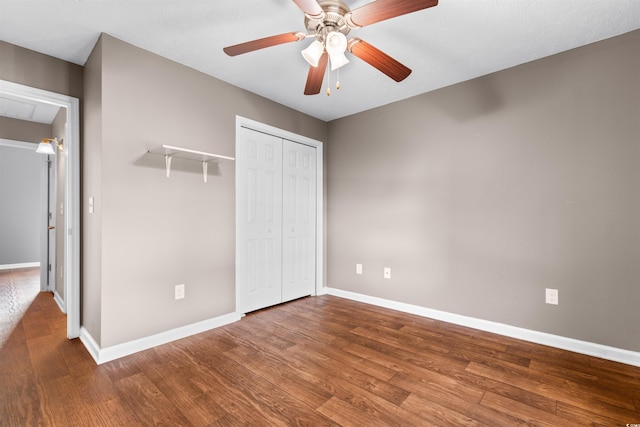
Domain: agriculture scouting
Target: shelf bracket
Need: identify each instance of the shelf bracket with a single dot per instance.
(204, 170)
(170, 151)
(167, 161)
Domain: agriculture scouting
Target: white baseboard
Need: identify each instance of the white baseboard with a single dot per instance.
(17, 266)
(90, 344)
(107, 354)
(584, 347)
(60, 302)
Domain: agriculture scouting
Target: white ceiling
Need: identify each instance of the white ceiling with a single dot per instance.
(32, 111)
(450, 43)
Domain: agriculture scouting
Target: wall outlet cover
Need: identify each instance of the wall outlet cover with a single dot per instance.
(179, 291)
(551, 296)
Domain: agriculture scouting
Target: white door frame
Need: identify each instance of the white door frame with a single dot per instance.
(72, 191)
(280, 133)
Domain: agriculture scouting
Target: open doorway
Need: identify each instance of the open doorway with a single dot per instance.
(21, 173)
(67, 225)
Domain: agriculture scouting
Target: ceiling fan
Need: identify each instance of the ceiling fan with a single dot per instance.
(329, 22)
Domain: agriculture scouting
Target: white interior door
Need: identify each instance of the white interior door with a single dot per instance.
(299, 220)
(51, 219)
(259, 213)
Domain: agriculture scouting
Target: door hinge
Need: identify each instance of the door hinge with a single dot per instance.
(49, 267)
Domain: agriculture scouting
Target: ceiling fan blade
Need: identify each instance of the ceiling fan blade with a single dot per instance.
(378, 59)
(245, 47)
(310, 7)
(380, 10)
(316, 76)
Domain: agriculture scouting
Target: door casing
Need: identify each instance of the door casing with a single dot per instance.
(71, 228)
(51, 232)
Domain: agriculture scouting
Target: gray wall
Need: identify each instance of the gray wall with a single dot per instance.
(481, 195)
(156, 232)
(92, 187)
(20, 202)
(23, 130)
(30, 68)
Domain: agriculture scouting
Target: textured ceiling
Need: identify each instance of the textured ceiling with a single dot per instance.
(452, 42)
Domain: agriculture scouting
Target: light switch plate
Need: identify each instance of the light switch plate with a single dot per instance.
(179, 292)
(387, 273)
(358, 268)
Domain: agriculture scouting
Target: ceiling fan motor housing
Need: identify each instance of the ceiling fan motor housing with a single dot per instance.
(333, 20)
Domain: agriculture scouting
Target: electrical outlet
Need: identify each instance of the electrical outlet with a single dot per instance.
(358, 268)
(179, 292)
(551, 296)
(387, 273)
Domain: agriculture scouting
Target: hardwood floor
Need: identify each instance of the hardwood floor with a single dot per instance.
(315, 361)
(17, 289)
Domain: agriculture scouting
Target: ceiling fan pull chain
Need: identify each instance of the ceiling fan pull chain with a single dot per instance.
(338, 79)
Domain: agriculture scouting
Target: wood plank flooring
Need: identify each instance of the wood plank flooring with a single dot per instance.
(320, 361)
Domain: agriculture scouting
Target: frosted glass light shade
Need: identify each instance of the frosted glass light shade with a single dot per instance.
(338, 61)
(336, 43)
(45, 148)
(313, 53)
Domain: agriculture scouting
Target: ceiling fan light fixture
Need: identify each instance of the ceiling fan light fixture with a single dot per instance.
(338, 61)
(336, 43)
(313, 53)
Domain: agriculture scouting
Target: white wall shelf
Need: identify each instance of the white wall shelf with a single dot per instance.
(169, 152)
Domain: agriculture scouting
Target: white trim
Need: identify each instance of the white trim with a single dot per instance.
(319, 219)
(51, 236)
(18, 266)
(318, 145)
(90, 344)
(44, 223)
(59, 301)
(584, 347)
(103, 355)
(18, 144)
(72, 194)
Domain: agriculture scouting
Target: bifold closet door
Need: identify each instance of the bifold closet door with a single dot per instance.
(298, 220)
(259, 232)
(276, 215)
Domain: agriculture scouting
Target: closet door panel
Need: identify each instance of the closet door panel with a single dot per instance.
(259, 205)
(299, 220)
